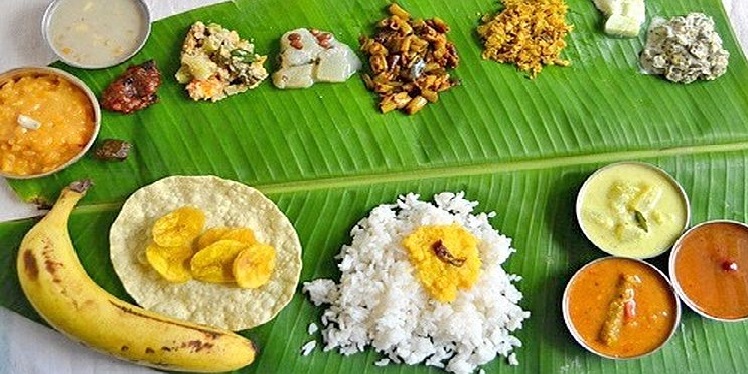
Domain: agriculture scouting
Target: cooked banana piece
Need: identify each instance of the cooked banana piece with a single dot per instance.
(58, 287)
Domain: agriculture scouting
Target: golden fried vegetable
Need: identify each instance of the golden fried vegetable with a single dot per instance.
(240, 234)
(215, 262)
(178, 228)
(621, 310)
(210, 236)
(527, 33)
(254, 265)
(172, 263)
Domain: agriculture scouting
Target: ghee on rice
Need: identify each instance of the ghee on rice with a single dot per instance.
(380, 303)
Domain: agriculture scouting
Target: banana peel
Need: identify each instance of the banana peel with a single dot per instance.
(58, 287)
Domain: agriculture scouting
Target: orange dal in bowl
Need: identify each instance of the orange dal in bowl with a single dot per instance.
(642, 327)
(66, 121)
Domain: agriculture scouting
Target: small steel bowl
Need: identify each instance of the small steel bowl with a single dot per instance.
(578, 337)
(677, 283)
(26, 71)
(585, 187)
(142, 36)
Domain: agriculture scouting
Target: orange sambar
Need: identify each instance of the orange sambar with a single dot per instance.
(592, 290)
(62, 110)
(711, 269)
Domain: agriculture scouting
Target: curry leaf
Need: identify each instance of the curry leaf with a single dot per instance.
(641, 221)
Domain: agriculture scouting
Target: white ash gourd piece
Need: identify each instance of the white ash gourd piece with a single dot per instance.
(309, 55)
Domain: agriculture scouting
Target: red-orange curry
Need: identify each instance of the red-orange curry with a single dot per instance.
(621, 308)
(711, 265)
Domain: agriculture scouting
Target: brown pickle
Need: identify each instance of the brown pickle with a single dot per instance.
(113, 150)
(134, 90)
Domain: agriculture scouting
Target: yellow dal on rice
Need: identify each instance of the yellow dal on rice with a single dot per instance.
(440, 277)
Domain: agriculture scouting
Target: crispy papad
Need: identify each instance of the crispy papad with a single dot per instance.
(225, 203)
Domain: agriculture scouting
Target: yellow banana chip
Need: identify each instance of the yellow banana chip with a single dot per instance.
(210, 236)
(172, 263)
(254, 265)
(240, 234)
(214, 263)
(179, 227)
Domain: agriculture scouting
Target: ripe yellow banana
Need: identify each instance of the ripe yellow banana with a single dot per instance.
(58, 287)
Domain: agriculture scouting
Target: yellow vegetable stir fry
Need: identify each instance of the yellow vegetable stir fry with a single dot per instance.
(527, 33)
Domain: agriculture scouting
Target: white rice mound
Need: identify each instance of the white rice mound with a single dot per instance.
(379, 302)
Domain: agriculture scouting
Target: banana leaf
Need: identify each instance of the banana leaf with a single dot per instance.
(521, 147)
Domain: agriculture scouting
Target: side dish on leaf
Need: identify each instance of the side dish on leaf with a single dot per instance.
(134, 90)
(529, 34)
(409, 61)
(309, 55)
(684, 49)
(217, 63)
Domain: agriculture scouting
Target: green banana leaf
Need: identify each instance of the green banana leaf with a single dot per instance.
(521, 147)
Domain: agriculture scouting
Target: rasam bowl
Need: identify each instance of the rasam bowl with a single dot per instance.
(709, 269)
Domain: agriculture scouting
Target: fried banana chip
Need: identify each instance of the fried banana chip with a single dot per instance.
(179, 227)
(172, 263)
(214, 263)
(240, 234)
(254, 265)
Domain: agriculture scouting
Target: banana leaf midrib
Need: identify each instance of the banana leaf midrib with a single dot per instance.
(477, 169)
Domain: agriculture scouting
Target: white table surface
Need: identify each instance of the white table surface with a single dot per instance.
(27, 347)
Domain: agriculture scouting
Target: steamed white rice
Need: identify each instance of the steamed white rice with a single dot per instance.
(307, 348)
(380, 303)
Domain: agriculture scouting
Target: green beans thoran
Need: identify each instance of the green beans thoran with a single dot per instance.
(409, 61)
